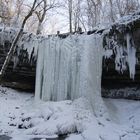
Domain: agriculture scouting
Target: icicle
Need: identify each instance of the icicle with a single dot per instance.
(125, 57)
(120, 59)
(15, 60)
(2, 36)
(39, 71)
(131, 52)
(108, 53)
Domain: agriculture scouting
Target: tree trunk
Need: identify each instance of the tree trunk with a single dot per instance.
(10, 53)
(111, 11)
(70, 15)
(39, 28)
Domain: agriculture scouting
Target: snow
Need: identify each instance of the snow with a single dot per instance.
(50, 119)
(125, 20)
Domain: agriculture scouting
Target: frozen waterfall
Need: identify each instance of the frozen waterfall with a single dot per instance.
(69, 68)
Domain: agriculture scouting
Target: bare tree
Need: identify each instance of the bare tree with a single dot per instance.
(70, 2)
(41, 16)
(127, 6)
(5, 11)
(93, 12)
(17, 13)
(76, 14)
(42, 11)
(11, 11)
(111, 11)
(131, 6)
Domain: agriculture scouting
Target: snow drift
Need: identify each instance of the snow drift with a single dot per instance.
(20, 118)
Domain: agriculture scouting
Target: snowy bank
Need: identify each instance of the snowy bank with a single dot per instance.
(21, 118)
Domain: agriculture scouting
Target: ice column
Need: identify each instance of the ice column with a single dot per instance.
(131, 54)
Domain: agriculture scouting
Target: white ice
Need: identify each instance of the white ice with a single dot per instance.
(125, 56)
(70, 68)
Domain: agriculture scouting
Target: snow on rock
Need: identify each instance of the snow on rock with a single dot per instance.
(11, 103)
(22, 118)
(131, 18)
(130, 137)
(127, 93)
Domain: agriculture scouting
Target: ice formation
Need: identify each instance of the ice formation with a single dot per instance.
(131, 56)
(69, 68)
(125, 55)
(27, 42)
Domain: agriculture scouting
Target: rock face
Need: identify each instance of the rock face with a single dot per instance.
(119, 32)
(23, 75)
(20, 73)
(22, 68)
(121, 78)
(116, 70)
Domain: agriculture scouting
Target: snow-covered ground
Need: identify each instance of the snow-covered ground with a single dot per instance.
(22, 118)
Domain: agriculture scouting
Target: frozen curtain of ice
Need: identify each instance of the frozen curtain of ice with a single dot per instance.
(69, 68)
